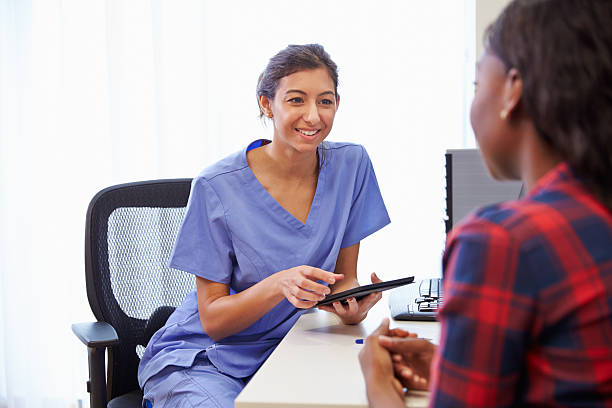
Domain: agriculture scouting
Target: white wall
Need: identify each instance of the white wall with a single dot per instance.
(486, 12)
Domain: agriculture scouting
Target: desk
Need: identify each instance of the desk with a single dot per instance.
(316, 364)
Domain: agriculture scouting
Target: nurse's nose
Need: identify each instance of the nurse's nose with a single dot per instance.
(311, 116)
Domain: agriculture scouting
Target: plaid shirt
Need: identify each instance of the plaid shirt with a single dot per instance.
(527, 314)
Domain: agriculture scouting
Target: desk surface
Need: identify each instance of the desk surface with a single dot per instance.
(316, 364)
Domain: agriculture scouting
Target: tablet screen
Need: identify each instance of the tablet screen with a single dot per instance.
(362, 291)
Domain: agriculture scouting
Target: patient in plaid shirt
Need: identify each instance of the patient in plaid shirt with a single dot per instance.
(527, 316)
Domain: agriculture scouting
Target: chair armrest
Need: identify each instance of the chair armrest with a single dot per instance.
(96, 334)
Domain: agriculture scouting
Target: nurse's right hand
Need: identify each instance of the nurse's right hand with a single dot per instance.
(299, 285)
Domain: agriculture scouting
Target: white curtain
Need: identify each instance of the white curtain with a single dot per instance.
(95, 93)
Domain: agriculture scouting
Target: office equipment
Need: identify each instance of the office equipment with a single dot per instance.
(417, 302)
(468, 187)
(317, 364)
(364, 290)
(130, 231)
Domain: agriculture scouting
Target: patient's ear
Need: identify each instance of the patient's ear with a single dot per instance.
(513, 91)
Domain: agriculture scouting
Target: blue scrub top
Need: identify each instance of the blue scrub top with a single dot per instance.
(234, 232)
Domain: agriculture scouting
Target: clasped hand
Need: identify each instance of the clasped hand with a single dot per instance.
(396, 357)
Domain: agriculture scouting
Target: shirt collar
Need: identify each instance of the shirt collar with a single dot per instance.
(561, 172)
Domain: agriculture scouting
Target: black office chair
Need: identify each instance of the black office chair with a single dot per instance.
(130, 230)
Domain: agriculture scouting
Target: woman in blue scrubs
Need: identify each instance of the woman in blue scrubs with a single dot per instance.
(269, 231)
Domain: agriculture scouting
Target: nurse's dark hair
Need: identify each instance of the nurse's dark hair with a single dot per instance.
(290, 60)
(562, 50)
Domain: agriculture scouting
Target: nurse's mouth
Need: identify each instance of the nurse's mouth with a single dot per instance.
(308, 133)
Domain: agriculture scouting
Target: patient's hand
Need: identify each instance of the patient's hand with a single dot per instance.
(382, 388)
(411, 357)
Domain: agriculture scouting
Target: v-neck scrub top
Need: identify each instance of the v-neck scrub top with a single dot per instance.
(234, 232)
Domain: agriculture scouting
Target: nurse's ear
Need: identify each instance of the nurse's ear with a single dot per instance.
(337, 102)
(265, 106)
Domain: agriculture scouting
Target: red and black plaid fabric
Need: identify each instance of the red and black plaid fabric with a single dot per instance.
(527, 314)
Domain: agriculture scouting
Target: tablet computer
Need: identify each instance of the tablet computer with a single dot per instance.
(362, 291)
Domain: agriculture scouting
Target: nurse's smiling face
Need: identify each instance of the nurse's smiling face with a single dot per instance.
(303, 109)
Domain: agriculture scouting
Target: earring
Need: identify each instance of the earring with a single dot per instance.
(270, 115)
(503, 114)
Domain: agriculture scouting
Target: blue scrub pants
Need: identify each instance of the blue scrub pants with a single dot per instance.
(200, 385)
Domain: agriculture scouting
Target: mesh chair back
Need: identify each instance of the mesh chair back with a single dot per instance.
(129, 235)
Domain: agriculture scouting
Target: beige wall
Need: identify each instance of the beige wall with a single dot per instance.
(486, 12)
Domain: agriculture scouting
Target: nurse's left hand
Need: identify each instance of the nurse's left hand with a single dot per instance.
(355, 311)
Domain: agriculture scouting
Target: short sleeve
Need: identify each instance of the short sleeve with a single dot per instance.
(203, 245)
(368, 213)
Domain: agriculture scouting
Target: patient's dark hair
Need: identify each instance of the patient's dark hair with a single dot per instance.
(293, 59)
(563, 52)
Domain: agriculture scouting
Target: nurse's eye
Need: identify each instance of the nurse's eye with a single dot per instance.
(297, 99)
(327, 102)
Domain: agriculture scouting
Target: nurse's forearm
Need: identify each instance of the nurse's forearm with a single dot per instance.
(222, 316)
